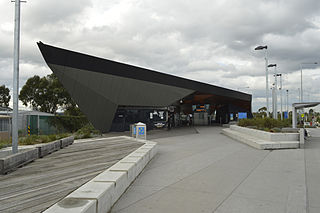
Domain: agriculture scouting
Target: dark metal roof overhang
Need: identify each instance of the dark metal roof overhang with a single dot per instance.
(99, 85)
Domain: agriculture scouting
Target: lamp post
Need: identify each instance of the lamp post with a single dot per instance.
(274, 93)
(301, 99)
(287, 101)
(280, 88)
(16, 77)
(266, 66)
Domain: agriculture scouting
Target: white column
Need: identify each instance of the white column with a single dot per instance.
(294, 117)
(267, 84)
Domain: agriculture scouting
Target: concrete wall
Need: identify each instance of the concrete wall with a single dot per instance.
(269, 136)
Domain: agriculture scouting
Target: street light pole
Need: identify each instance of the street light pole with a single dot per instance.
(266, 67)
(274, 92)
(267, 86)
(16, 77)
(280, 88)
(287, 102)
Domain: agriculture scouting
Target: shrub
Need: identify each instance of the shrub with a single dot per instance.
(265, 123)
(86, 132)
(5, 143)
(68, 123)
(36, 139)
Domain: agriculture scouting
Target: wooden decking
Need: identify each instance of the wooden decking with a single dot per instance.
(38, 185)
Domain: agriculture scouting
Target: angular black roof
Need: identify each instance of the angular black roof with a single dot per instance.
(59, 56)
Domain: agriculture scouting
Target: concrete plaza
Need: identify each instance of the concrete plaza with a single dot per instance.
(204, 171)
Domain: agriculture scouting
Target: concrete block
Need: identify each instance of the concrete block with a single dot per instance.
(145, 151)
(118, 179)
(150, 143)
(268, 136)
(100, 191)
(143, 156)
(4, 152)
(129, 168)
(45, 149)
(13, 161)
(67, 141)
(289, 144)
(137, 161)
(73, 205)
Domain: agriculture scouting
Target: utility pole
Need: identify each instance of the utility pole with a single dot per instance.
(266, 66)
(274, 92)
(287, 101)
(280, 88)
(16, 56)
(273, 101)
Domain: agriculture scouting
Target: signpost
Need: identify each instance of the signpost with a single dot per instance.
(242, 115)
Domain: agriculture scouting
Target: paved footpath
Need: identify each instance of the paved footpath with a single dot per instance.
(209, 172)
(40, 184)
(312, 156)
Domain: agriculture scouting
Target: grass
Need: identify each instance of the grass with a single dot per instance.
(33, 139)
(36, 139)
(87, 131)
(265, 124)
(5, 143)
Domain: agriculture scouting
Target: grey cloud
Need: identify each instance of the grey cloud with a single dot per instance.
(210, 41)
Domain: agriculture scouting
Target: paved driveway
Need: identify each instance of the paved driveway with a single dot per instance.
(209, 172)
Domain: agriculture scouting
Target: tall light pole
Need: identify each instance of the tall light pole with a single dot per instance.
(301, 88)
(274, 93)
(266, 66)
(280, 88)
(16, 77)
(287, 101)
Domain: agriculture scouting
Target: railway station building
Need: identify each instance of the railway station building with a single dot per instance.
(115, 95)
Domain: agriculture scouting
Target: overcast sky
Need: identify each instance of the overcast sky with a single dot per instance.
(206, 40)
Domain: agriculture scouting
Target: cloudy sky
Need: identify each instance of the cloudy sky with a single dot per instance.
(206, 40)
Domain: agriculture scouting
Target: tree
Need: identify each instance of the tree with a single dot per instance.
(46, 94)
(263, 109)
(4, 96)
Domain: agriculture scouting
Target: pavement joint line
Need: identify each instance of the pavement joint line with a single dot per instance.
(253, 169)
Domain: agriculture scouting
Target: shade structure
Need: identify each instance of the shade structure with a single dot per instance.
(99, 86)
